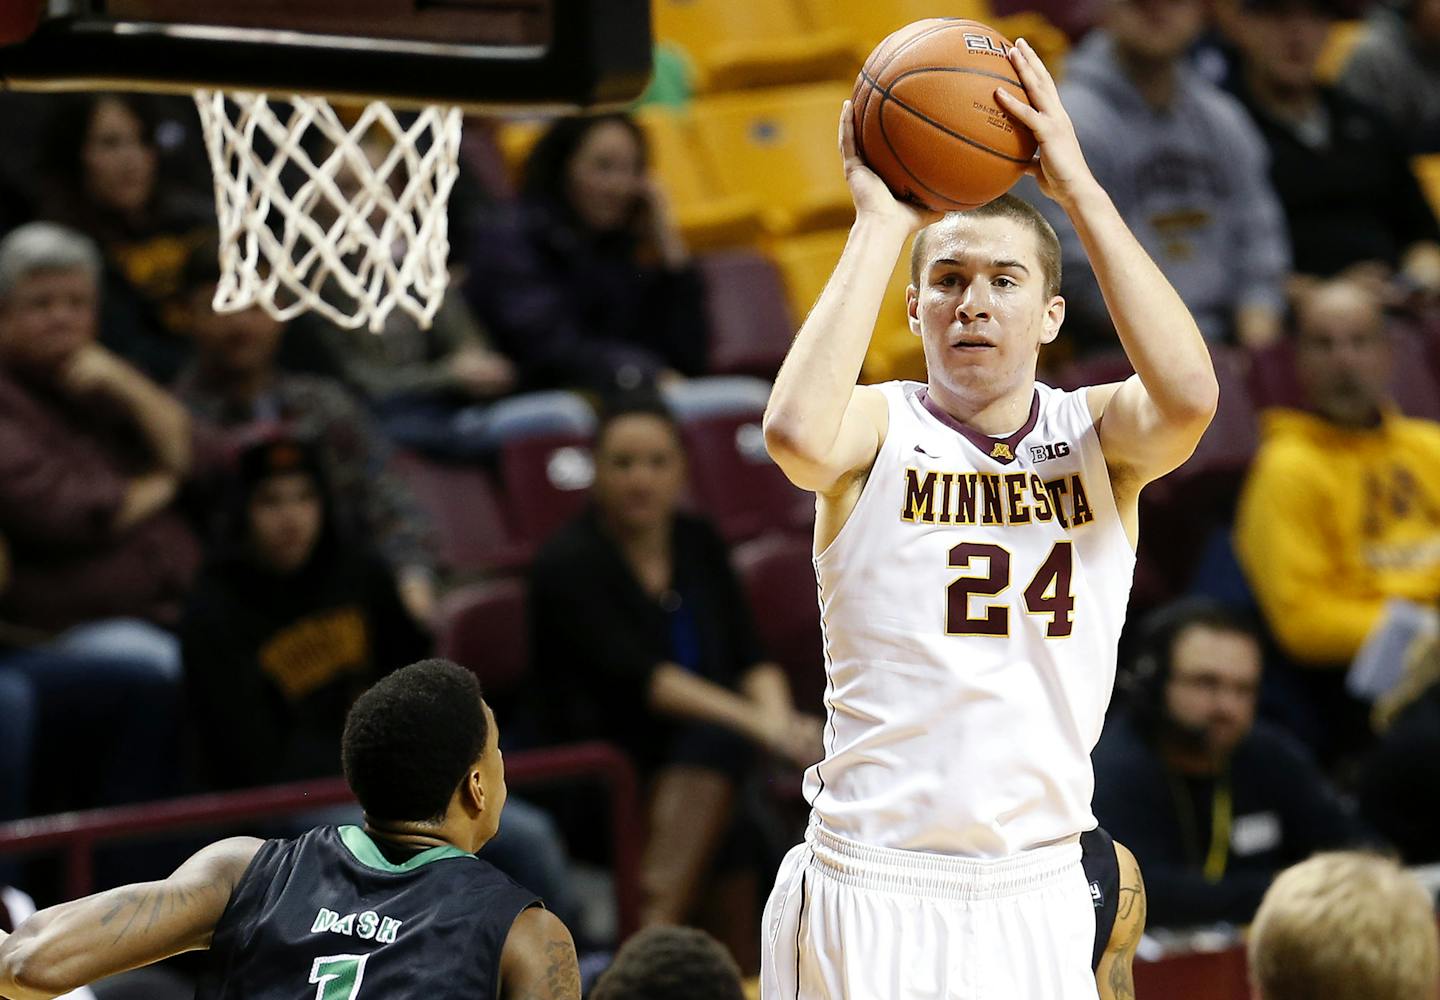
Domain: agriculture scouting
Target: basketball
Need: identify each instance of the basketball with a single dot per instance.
(926, 118)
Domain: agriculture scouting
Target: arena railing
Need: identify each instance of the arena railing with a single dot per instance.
(76, 835)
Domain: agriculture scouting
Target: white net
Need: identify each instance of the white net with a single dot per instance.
(348, 220)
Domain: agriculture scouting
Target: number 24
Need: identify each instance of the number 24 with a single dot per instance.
(1048, 593)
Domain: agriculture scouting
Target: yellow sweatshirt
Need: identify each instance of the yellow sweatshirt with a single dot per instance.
(1332, 522)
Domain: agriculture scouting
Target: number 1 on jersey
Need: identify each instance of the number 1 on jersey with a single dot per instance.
(338, 976)
(1048, 593)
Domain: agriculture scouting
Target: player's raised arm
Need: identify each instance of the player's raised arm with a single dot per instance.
(1152, 422)
(68, 946)
(819, 426)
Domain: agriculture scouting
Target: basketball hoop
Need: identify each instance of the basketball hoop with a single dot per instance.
(314, 214)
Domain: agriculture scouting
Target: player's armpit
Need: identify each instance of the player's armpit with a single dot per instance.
(68, 946)
(824, 466)
(1116, 974)
(1139, 441)
(538, 961)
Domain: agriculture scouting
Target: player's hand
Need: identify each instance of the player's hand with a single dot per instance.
(868, 191)
(1059, 165)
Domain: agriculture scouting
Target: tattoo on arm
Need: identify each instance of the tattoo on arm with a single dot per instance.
(1131, 907)
(138, 908)
(561, 979)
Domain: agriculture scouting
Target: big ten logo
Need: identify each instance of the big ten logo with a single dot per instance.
(1046, 452)
(983, 43)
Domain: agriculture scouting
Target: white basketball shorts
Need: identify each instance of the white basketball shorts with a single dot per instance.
(850, 922)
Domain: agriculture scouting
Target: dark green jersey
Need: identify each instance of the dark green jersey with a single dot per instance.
(327, 916)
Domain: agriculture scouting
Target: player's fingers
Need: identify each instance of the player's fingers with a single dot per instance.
(1038, 65)
(1029, 117)
(1029, 78)
(847, 132)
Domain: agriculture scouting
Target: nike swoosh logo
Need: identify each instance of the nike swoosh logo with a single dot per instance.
(924, 452)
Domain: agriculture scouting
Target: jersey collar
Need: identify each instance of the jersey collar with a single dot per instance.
(1002, 450)
(358, 842)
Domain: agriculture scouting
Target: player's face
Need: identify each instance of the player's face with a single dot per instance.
(1342, 356)
(1283, 45)
(286, 516)
(237, 343)
(117, 160)
(605, 177)
(46, 318)
(1157, 30)
(1214, 682)
(980, 307)
(639, 472)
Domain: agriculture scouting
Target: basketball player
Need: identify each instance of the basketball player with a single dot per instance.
(401, 908)
(974, 547)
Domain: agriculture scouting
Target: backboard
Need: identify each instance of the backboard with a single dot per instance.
(484, 55)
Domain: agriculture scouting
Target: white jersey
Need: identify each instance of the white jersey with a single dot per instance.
(971, 606)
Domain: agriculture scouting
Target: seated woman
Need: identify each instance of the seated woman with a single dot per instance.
(102, 175)
(585, 282)
(642, 633)
(286, 626)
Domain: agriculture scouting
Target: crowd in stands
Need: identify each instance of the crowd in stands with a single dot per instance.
(217, 529)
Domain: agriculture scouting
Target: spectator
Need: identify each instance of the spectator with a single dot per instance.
(288, 624)
(1211, 802)
(102, 176)
(640, 622)
(1345, 926)
(1186, 168)
(586, 282)
(1395, 65)
(433, 389)
(1341, 508)
(1340, 167)
(671, 963)
(92, 454)
(442, 391)
(234, 383)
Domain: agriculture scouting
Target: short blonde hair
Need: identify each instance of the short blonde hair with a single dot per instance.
(1345, 925)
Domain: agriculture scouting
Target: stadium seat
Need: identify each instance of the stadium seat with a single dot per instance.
(779, 579)
(546, 482)
(806, 261)
(463, 505)
(750, 320)
(484, 628)
(707, 215)
(734, 45)
(778, 147)
(734, 480)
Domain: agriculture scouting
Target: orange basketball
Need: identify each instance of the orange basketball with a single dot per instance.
(926, 118)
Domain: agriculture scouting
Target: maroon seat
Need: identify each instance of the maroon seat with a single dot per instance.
(484, 628)
(464, 507)
(749, 318)
(735, 481)
(546, 482)
(779, 580)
